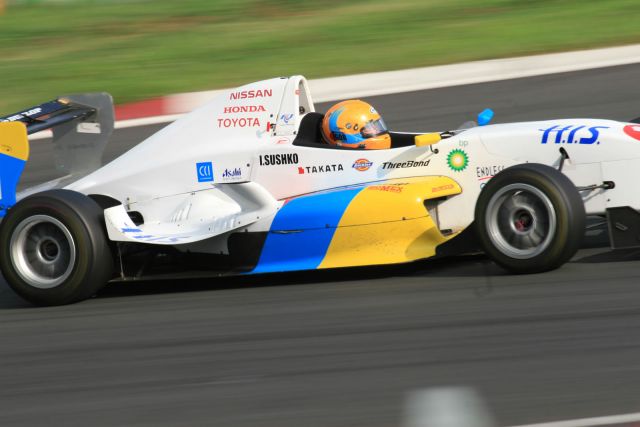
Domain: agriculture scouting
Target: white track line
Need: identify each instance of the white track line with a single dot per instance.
(415, 79)
(147, 121)
(120, 125)
(591, 422)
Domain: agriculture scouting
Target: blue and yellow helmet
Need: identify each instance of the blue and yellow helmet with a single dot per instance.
(355, 124)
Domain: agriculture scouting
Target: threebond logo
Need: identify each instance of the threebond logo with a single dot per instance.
(205, 171)
(457, 160)
(362, 165)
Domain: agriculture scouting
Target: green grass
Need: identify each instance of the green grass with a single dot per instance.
(137, 49)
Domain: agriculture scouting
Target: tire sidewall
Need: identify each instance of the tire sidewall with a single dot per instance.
(569, 212)
(93, 261)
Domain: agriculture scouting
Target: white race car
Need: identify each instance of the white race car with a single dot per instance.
(245, 185)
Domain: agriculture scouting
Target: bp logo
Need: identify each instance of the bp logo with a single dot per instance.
(457, 160)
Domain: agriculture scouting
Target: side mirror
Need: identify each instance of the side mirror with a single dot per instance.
(427, 139)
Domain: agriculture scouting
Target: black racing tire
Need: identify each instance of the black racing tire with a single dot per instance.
(530, 218)
(54, 248)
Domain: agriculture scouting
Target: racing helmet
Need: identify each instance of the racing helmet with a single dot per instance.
(355, 124)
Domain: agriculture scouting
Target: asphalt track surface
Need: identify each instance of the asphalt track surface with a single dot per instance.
(343, 348)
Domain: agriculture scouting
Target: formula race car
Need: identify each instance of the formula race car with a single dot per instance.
(246, 185)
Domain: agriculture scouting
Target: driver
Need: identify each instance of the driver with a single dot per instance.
(355, 124)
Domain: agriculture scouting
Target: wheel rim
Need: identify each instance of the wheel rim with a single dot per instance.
(521, 221)
(43, 252)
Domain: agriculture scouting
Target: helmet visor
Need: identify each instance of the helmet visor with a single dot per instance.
(374, 128)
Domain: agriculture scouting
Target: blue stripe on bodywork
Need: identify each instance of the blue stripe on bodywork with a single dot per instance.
(10, 171)
(302, 230)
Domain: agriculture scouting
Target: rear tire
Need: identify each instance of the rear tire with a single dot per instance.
(530, 218)
(55, 249)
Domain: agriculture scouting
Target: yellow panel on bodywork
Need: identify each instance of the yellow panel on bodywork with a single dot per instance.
(388, 223)
(13, 140)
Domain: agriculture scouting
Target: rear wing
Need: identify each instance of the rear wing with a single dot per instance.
(81, 126)
(50, 114)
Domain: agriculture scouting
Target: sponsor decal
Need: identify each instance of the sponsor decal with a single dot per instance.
(234, 174)
(283, 141)
(204, 171)
(457, 160)
(320, 169)
(241, 122)
(387, 188)
(278, 159)
(244, 109)
(158, 239)
(362, 165)
(250, 94)
(22, 115)
(286, 117)
(407, 164)
(487, 172)
(88, 127)
(338, 136)
(572, 134)
(131, 230)
(442, 188)
(633, 131)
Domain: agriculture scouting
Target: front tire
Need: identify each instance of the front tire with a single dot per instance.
(530, 218)
(54, 248)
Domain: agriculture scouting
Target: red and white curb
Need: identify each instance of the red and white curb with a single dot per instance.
(168, 108)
